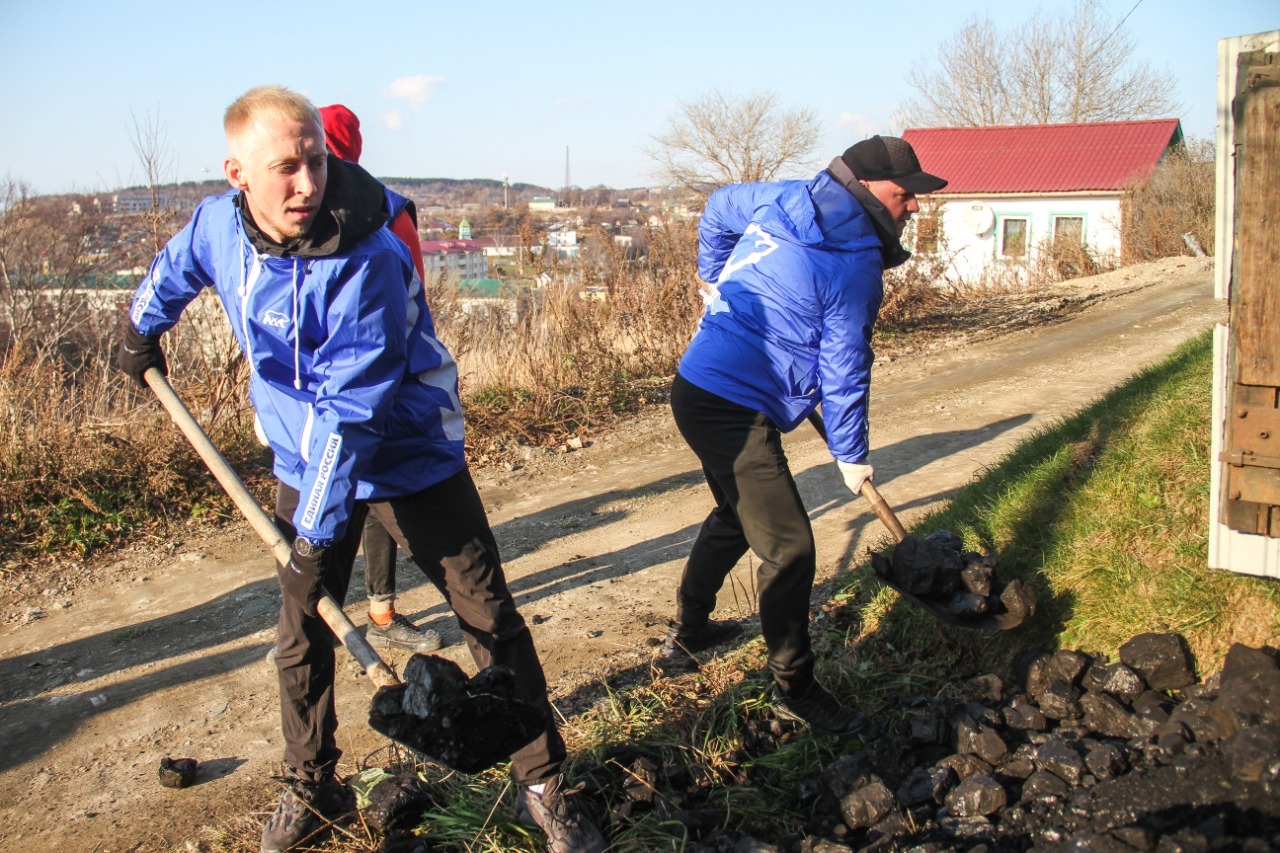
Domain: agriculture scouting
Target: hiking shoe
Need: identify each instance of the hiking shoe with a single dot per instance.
(403, 634)
(555, 813)
(820, 711)
(682, 643)
(305, 809)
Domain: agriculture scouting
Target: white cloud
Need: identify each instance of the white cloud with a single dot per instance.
(861, 125)
(415, 89)
(393, 120)
(571, 101)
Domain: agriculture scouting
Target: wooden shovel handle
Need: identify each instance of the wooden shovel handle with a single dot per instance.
(883, 511)
(329, 611)
(878, 504)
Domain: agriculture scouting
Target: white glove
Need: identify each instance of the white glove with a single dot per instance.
(855, 475)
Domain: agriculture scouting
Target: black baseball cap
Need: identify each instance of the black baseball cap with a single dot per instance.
(888, 158)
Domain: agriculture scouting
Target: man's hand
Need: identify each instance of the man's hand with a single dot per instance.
(855, 475)
(300, 579)
(138, 353)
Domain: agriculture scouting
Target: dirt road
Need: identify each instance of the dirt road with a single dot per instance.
(98, 684)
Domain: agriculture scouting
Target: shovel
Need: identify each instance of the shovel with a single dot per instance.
(988, 622)
(377, 670)
(467, 725)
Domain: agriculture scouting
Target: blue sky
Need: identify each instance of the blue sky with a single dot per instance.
(475, 90)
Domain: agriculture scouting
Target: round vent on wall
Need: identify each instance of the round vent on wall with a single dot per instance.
(979, 218)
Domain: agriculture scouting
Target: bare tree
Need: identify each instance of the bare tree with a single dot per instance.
(720, 139)
(1077, 66)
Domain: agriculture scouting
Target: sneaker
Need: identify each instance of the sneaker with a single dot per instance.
(554, 811)
(305, 809)
(682, 643)
(403, 634)
(821, 711)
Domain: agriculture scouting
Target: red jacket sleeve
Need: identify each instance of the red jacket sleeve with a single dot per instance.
(404, 228)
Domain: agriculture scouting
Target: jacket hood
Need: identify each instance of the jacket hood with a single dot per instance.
(354, 206)
(891, 245)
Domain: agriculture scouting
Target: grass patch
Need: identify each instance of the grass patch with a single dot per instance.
(1104, 512)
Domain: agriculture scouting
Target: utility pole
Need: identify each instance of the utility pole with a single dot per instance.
(567, 182)
(505, 184)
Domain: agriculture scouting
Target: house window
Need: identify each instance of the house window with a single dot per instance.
(1014, 233)
(1068, 250)
(928, 229)
(1068, 233)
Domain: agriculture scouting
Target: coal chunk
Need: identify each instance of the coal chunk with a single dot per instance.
(178, 772)
(1043, 785)
(1106, 716)
(1106, 761)
(1163, 660)
(1117, 679)
(977, 796)
(926, 785)
(397, 803)
(1022, 715)
(1061, 759)
(867, 804)
(466, 724)
(1060, 701)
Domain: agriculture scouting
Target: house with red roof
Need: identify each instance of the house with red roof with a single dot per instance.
(1017, 193)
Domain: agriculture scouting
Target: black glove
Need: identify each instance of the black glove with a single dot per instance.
(300, 579)
(139, 352)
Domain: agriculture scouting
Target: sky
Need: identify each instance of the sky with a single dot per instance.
(480, 90)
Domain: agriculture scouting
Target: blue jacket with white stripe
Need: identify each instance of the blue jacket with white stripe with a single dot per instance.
(797, 269)
(357, 397)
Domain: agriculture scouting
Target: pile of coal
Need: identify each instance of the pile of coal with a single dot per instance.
(178, 772)
(962, 584)
(467, 724)
(1081, 754)
(1090, 755)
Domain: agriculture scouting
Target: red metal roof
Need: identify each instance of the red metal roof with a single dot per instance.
(450, 247)
(1043, 158)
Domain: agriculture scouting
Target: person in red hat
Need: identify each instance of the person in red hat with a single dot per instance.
(386, 626)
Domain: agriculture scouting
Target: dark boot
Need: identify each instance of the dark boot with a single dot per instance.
(683, 642)
(568, 829)
(305, 809)
(821, 711)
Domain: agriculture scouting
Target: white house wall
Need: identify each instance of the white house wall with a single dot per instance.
(972, 226)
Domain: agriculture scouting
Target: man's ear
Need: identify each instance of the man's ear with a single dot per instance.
(235, 173)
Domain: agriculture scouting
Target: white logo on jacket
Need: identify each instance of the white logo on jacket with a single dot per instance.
(762, 246)
(275, 319)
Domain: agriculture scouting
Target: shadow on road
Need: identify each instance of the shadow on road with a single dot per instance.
(25, 680)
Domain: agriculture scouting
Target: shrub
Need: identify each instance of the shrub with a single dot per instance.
(1172, 208)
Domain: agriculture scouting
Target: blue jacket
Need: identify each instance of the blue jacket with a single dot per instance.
(797, 269)
(356, 396)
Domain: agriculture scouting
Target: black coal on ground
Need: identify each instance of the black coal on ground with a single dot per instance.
(1081, 754)
(467, 724)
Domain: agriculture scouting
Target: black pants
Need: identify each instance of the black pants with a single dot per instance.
(757, 506)
(379, 560)
(445, 531)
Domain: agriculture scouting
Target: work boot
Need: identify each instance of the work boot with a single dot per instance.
(555, 812)
(403, 634)
(305, 809)
(821, 711)
(682, 643)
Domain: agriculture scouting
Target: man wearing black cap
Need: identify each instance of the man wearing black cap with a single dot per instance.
(795, 282)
